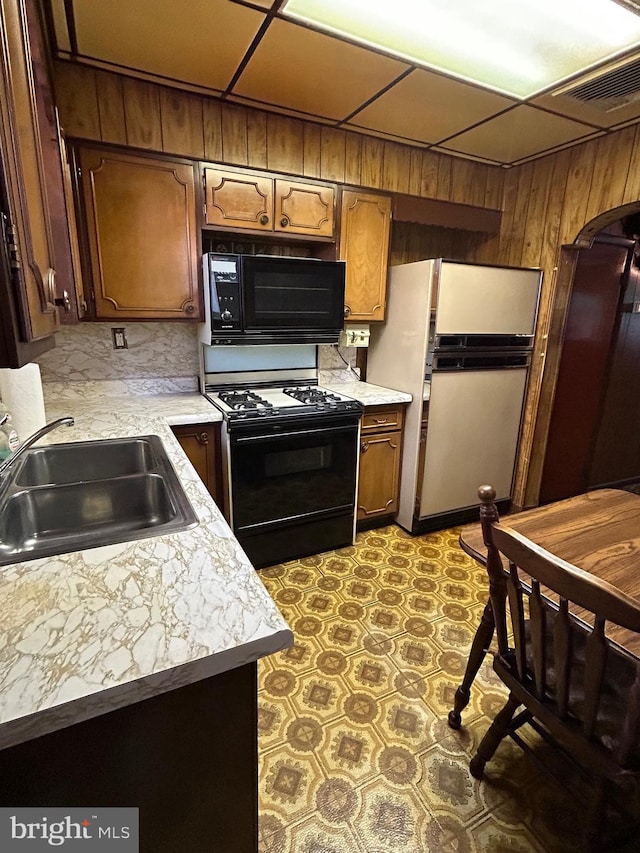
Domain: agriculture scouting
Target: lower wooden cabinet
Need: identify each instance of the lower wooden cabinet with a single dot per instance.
(165, 755)
(201, 443)
(380, 456)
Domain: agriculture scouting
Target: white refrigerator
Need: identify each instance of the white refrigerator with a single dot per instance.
(461, 336)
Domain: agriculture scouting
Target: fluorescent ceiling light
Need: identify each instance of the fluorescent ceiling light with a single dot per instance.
(517, 48)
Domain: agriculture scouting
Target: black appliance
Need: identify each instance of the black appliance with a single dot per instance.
(290, 459)
(271, 299)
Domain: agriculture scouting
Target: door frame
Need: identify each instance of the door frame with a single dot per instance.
(562, 288)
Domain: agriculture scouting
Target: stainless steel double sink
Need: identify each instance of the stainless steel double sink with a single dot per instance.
(65, 497)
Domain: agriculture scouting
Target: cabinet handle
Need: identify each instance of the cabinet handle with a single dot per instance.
(203, 438)
(380, 420)
(190, 308)
(264, 219)
(347, 310)
(364, 447)
(64, 301)
(50, 285)
(284, 222)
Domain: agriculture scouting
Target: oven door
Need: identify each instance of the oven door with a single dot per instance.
(293, 487)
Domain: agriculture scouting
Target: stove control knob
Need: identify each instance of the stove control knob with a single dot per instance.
(226, 315)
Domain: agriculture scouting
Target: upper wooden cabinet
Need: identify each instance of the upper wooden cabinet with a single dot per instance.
(258, 201)
(140, 216)
(364, 245)
(24, 208)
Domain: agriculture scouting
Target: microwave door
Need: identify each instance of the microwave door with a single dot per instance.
(297, 295)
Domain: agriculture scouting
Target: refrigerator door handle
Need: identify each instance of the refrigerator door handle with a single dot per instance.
(480, 360)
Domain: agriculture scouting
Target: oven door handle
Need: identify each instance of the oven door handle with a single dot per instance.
(254, 439)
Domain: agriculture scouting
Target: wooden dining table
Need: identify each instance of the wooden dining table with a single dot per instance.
(598, 532)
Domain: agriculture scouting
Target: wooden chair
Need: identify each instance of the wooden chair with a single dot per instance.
(486, 628)
(570, 681)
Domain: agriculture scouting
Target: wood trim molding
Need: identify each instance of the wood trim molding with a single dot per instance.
(446, 214)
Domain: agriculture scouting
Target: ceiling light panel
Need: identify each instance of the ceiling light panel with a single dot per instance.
(518, 49)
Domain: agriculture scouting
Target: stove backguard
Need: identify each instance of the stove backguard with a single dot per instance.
(251, 367)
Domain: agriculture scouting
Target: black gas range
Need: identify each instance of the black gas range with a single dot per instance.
(290, 456)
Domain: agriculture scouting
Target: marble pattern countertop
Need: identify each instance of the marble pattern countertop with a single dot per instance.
(366, 393)
(91, 631)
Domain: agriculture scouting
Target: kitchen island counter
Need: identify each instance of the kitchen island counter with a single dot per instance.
(93, 631)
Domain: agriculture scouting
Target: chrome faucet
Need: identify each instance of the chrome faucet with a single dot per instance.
(32, 440)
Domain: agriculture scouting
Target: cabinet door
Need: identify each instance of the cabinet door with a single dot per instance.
(141, 229)
(201, 443)
(25, 207)
(364, 245)
(238, 200)
(379, 478)
(304, 208)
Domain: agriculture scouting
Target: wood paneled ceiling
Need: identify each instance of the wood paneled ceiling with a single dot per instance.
(250, 53)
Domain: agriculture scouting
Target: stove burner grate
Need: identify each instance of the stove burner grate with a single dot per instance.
(311, 394)
(242, 400)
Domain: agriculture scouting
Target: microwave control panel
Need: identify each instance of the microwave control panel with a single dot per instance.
(224, 281)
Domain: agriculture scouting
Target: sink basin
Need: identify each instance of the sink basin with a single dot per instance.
(66, 497)
(87, 460)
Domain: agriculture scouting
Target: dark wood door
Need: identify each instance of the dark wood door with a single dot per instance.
(616, 454)
(582, 374)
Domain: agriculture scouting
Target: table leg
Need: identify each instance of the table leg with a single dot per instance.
(479, 646)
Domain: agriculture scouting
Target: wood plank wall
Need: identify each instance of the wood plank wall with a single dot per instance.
(559, 201)
(101, 106)
(546, 204)
(411, 242)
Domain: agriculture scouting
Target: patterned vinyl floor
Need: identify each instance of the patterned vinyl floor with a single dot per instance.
(355, 752)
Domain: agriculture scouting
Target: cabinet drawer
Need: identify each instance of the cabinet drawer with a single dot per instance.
(382, 418)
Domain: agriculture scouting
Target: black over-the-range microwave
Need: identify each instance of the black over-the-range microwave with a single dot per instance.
(272, 299)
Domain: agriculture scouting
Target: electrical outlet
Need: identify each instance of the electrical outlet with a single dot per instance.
(355, 336)
(119, 338)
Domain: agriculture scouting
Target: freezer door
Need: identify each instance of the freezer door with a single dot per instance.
(483, 300)
(472, 437)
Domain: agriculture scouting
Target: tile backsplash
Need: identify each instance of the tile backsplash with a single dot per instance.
(155, 350)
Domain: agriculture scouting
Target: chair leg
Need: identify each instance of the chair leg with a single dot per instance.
(479, 646)
(496, 732)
